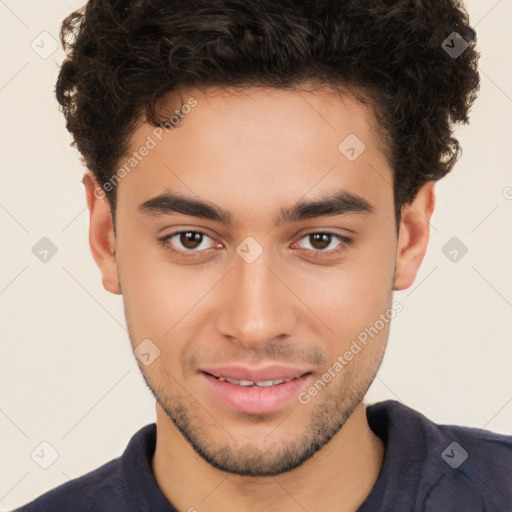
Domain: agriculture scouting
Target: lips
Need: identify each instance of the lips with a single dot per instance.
(255, 391)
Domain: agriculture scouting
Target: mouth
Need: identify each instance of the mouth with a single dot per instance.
(255, 384)
(255, 396)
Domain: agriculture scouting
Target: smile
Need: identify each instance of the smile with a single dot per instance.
(247, 383)
(255, 397)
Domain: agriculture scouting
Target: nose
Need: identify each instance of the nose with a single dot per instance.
(257, 306)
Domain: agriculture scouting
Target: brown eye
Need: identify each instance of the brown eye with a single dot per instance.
(188, 243)
(320, 240)
(191, 239)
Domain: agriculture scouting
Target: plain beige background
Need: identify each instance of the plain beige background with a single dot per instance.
(67, 374)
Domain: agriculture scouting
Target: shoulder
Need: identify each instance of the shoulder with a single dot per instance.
(96, 491)
(481, 460)
(111, 487)
(462, 467)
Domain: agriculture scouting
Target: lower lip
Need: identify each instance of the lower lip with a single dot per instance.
(256, 400)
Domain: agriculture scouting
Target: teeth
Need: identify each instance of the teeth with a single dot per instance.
(247, 383)
(240, 382)
(266, 383)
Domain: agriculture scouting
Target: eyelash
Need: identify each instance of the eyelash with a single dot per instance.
(346, 242)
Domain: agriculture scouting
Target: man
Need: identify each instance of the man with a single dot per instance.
(260, 180)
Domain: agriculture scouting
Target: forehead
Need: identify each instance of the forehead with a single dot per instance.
(258, 147)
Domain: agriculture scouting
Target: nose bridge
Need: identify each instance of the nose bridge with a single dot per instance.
(258, 307)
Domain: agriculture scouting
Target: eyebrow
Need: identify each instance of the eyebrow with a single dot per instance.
(339, 203)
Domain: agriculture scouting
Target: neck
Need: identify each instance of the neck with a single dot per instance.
(338, 477)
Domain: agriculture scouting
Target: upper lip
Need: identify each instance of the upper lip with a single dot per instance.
(274, 372)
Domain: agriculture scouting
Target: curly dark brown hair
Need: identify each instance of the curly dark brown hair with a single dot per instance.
(123, 56)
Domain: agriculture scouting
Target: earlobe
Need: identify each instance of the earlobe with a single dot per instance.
(413, 236)
(101, 233)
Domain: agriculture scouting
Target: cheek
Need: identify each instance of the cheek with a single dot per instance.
(160, 297)
(352, 295)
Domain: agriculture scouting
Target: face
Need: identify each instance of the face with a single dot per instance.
(250, 245)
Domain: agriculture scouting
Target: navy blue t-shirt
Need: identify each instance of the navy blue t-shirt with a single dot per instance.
(427, 467)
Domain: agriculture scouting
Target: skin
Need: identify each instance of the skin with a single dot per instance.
(253, 153)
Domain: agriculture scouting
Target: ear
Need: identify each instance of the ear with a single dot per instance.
(101, 233)
(413, 236)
